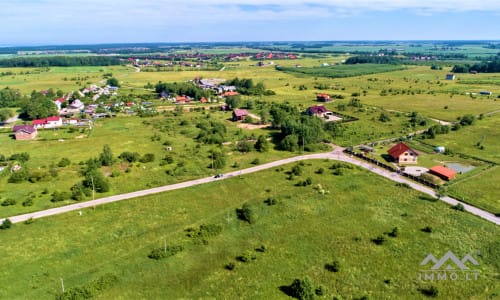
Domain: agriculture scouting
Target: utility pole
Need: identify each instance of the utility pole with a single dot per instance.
(93, 187)
(165, 244)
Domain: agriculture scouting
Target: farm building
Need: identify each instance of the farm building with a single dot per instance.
(25, 132)
(440, 149)
(323, 98)
(402, 154)
(443, 172)
(450, 76)
(239, 114)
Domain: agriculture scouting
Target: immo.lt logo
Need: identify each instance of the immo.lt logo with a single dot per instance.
(448, 267)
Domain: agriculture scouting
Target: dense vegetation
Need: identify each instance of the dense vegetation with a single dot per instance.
(492, 66)
(182, 89)
(59, 61)
(246, 86)
(341, 71)
(372, 59)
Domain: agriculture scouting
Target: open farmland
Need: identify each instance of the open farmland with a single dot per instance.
(117, 238)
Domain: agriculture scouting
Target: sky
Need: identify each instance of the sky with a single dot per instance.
(55, 22)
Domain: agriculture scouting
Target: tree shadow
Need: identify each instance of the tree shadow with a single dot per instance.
(287, 289)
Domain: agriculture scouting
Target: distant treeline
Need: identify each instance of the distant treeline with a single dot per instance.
(59, 61)
(375, 59)
(492, 66)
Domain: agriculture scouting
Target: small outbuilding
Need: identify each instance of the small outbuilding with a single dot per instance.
(239, 114)
(323, 98)
(25, 132)
(450, 76)
(443, 172)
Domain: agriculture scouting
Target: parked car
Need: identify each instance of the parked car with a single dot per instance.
(218, 175)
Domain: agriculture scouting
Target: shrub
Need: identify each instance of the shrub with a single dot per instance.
(427, 229)
(29, 221)
(256, 161)
(245, 213)
(64, 162)
(320, 171)
(321, 290)
(302, 289)
(164, 252)
(8, 202)
(248, 256)
(393, 232)
(262, 249)
(148, 157)
(21, 157)
(6, 224)
(403, 185)
(271, 201)
(297, 170)
(333, 267)
(431, 291)
(230, 266)
(129, 156)
(28, 202)
(379, 240)
(458, 207)
(204, 231)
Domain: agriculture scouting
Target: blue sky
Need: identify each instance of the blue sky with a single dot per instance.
(45, 22)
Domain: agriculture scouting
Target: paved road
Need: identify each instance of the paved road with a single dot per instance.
(337, 154)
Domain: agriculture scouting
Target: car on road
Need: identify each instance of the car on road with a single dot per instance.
(218, 175)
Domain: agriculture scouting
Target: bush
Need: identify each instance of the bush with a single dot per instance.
(320, 171)
(321, 290)
(8, 202)
(60, 196)
(129, 156)
(248, 256)
(6, 224)
(230, 266)
(333, 267)
(379, 240)
(427, 229)
(271, 201)
(245, 213)
(164, 252)
(21, 157)
(64, 162)
(148, 157)
(393, 232)
(256, 161)
(204, 231)
(302, 289)
(431, 291)
(458, 207)
(28, 202)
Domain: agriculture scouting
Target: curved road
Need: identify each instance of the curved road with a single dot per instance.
(335, 155)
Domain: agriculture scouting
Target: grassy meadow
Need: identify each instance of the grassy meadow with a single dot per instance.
(301, 233)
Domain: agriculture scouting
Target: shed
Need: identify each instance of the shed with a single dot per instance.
(443, 172)
(450, 76)
(239, 114)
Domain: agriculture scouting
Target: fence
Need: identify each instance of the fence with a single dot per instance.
(391, 168)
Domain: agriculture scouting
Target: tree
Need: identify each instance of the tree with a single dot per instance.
(112, 82)
(302, 289)
(6, 224)
(106, 156)
(37, 107)
(233, 102)
(262, 144)
(218, 159)
(129, 156)
(94, 179)
(244, 146)
(290, 143)
(5, 114)
(245, 213)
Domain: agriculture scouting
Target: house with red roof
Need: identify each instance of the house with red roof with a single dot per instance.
(181, 100)
(443, 172)
(58, 102)
(203, 100)
(25, 132)
(230, 94)
(54, 121)
(39, 123)
(323, 98)
(239, 114)
(402, 154)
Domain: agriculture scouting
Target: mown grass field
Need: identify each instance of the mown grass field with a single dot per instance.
(301, 233)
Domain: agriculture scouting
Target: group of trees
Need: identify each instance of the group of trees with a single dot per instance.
(59, 61)
(184, 88)
(372, 59)
(38, 106)
(491, 66)
(246, 86)
(9, 97)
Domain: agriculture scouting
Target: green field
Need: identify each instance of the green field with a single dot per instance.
(301, 233)
(341, 71)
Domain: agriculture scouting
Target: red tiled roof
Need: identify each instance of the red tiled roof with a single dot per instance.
(203, 100)
(229, 94)
(443, 171)
(60, 100)
(53, 118)
(39, 122)
(399, 149)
